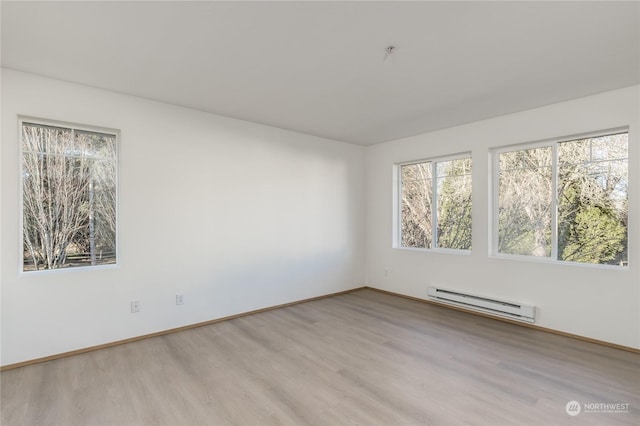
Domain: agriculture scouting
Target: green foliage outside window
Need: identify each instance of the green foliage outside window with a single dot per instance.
(591, 213)
(437, 193)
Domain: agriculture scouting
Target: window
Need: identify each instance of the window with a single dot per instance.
(68, 197)
(435, 204)
(565, 200)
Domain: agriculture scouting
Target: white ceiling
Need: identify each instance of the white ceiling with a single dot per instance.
(320, 67)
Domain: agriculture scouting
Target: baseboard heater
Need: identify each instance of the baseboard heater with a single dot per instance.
(502, 308)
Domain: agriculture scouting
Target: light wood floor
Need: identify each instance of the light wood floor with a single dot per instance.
(361, 358)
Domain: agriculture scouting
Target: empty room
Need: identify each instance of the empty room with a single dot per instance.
(320, 213)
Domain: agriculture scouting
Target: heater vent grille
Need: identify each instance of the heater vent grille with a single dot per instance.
(502, 308)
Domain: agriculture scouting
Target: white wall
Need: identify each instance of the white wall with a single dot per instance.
(595, 302)
(236, 216)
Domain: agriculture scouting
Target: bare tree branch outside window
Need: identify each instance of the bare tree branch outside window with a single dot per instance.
(436, 204)
(68, 196)
(590, 207)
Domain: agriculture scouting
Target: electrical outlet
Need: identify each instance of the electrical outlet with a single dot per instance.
(179, 299)
(135, 306)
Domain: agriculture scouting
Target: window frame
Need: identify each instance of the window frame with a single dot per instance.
(494, 194)
(397, 203)
(38, 121)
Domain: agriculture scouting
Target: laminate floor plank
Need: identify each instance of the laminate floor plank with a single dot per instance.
(362, 358)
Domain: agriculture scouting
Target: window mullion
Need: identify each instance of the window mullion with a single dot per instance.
(399, 204)
(495, 170)
(434, 205)
(554, 202)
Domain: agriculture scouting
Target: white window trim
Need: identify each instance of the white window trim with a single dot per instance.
(494, 208)
(397, 204)
(74, 126)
